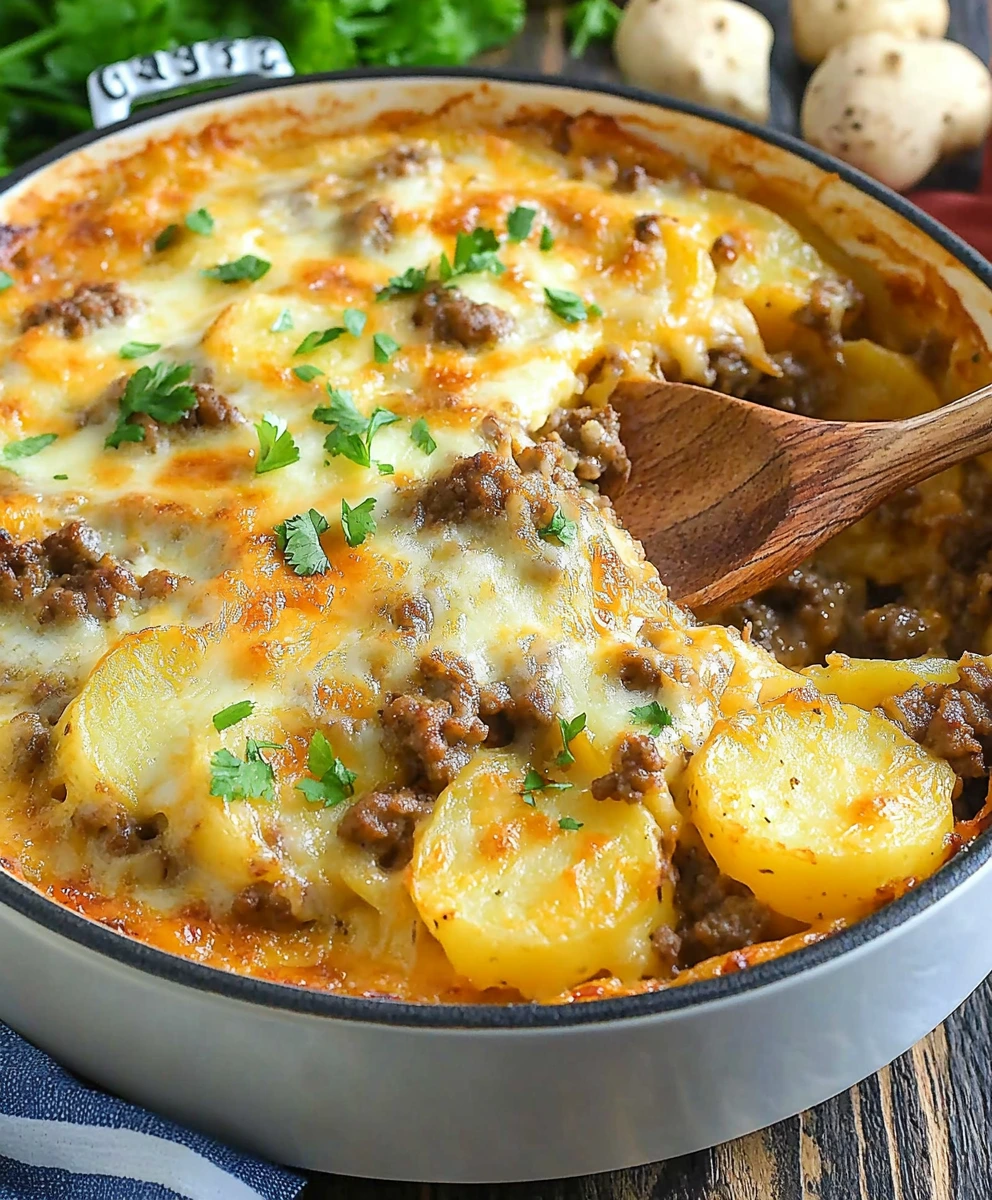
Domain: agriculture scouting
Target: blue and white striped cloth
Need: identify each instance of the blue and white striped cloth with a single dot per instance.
(61, 1139)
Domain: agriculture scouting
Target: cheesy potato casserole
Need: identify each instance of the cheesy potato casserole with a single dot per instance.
(323, 657)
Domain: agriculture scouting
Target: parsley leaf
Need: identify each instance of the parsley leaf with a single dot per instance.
(385, 468)
(569, 731)
(200, 222)
(354, 321)
(567, 305)
(474, 252)
(334, 783)
(6, 281)
(138, 349)
(383, 347)
(299, 540)
(413, 280)
(559, 527)
(547, 238)
(276, 446)
(653, 714)
(420, 435)
(161, 391)
(166, 238)
(283, 322)
(570, 824)
(341, 412)
(307, 372)
(519, 221)
(534, 782)
(358, 522)
(589, 20)
(319, 337)
(233, 714)
(27, 447)
(247, 267)
(252, 779)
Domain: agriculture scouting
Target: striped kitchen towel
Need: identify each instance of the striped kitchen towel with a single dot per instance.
(61, 1139)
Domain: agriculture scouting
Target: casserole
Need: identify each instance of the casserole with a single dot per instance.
(342, 1047)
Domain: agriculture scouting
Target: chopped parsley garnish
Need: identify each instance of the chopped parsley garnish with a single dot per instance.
(474, 252)
(591, 19)
(233, 714)
(354, 321)
(519, 221)
(276, 446)
(200, 222)
(567, 305)
(166, 237)
(413, 280)
(653, 714)
(420, 435)
(334, 783)
(247, 267)
(341, 412)
(299, 539)
(559, 527)
(319, 337)
(27, 447)
(352, 433)
(385, 468)
(547, 238)
(252, 779)
(595, 311)
(160, 391)
(383, 347)
(357, 523)
(60, 476)
(283, 322)
(570, 824)
(138, 349)
(535, 782)
(6, 281)
(307, 372)
(569, 731)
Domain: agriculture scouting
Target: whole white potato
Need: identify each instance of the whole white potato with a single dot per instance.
(714, 52)
(820, 25)
(894, 106)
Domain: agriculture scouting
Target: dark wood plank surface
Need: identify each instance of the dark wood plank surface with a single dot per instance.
(921, 1129)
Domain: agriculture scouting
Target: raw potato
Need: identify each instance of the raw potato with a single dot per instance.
(816, 805)
(714, 52)
(820, 25)
(515, 900)
(894, 106)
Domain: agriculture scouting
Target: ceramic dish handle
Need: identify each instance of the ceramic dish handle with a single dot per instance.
(114, 88)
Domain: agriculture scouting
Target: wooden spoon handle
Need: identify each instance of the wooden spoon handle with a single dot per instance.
(925, 445)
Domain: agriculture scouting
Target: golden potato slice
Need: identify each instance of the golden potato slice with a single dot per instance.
(517, 899)
(866, 682)
(815, 805)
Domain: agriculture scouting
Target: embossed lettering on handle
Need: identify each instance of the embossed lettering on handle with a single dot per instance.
(114, 88)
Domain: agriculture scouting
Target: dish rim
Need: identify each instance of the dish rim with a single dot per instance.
(90, 934)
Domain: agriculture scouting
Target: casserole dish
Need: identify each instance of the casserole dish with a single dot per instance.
(485, 1092)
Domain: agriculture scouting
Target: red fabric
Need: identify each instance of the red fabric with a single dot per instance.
(969, 216)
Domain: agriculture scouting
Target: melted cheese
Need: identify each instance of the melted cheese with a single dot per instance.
(323, 652)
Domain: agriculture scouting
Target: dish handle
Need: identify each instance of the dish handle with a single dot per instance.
(114, 88)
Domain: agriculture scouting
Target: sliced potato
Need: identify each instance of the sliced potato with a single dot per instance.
(816, 805)
(516, 900)
(866, 682)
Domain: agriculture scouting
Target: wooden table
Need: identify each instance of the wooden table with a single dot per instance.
(921, 1129)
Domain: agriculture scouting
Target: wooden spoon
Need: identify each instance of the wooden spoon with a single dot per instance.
(726, 495)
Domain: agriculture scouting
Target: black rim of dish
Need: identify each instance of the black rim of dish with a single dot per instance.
(38, 908)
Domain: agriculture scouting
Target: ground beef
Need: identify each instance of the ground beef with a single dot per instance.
(898, 631)
(637, 768)
(118, 831)
(520, 705)
(594, 434)
(642, 669)
(800, 618)
(91, 306)
(798, 389)
(725, 250)
(384, 822)
(13, 239)
(435, 730)
(261, 906)
(732, 373)
(475, 487)
(405, 160)
(631, 178)
(413, 616)
(68, 576)
(832, 310)
(212, 410)
(667, 946)
(453, 317)
(716, 914)
(647, 228)
(30, 739)
(952, 720)
(371, 225)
